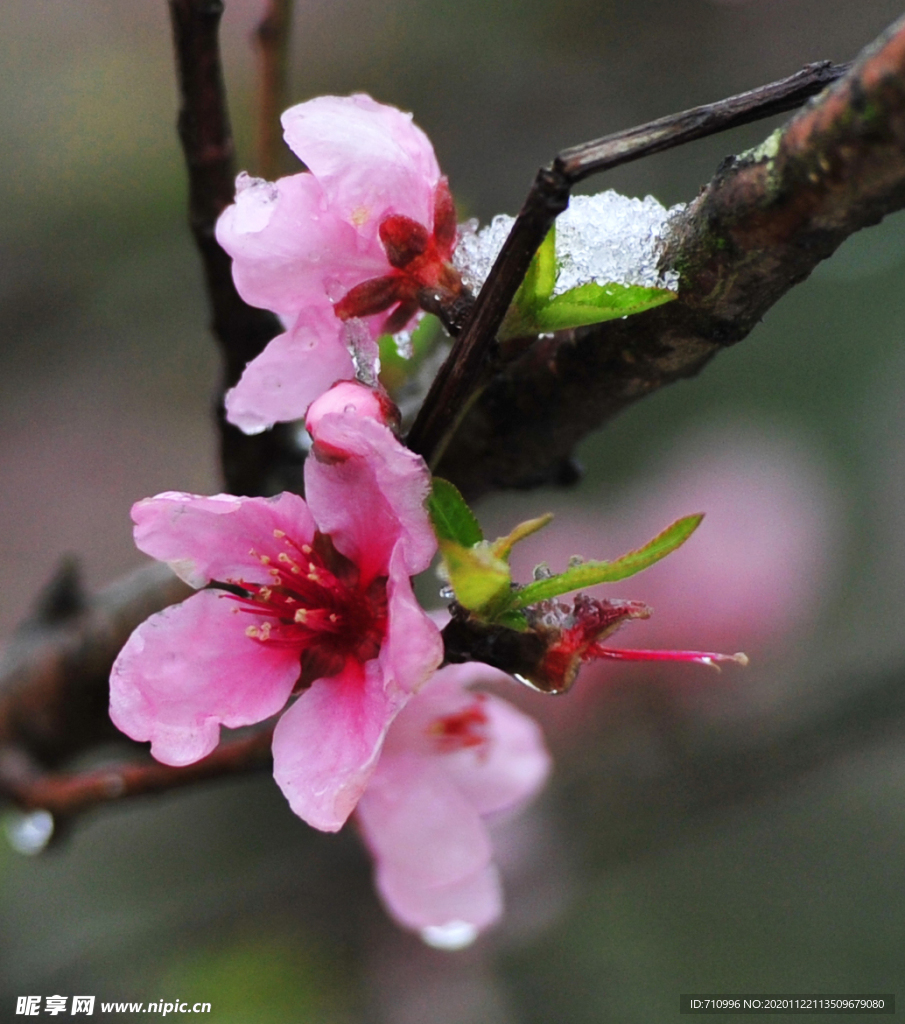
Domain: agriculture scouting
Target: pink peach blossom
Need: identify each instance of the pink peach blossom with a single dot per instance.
(319, 606)
(365, 232)
(452, 759)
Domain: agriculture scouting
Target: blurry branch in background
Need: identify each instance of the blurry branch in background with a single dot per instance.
(65, 795)
(466, 369)
(272, 40)
(270, 462)
(55, 669)
(760, 227)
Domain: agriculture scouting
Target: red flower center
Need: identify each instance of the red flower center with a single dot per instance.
(462, 729)
(316, 603)
(421, 267)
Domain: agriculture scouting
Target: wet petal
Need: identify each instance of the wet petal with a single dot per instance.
(326, 745)
(413, 647)
(415, 819)
(289, 250)
(475, 901)
(219, 537)
(190, 669)
(292, 371)
(373, 498)
(371, 159)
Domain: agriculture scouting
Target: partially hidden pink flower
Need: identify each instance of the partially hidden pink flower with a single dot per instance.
(453, 759)
(364, 234)
(319, 606)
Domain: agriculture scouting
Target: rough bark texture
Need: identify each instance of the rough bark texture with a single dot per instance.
(759, 228)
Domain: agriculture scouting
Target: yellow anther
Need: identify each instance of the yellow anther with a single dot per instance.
(279, 533)
(306, 549)
(301, 615)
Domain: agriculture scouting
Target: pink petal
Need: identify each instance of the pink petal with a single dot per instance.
(326, 745)
(510, 769)
(190, 669)
(413, 647)
(293, 370)
(213, 538)
(475, 901)
(348, 398)
(416, 820)
(507, 769)
(288, 249)
(371, 159)
(372, 499)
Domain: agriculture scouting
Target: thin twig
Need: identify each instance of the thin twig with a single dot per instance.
(456, 385)
(271, 461)
(272, 40)
(69, 794)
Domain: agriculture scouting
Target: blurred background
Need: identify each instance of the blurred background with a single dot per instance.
(740, 832)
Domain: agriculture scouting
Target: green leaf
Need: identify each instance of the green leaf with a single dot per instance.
(534, 292)
(594, 303)
(479, 579)
(588, 574)
(450, 515)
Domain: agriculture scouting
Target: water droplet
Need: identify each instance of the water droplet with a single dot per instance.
(447, 593)
(452, 935)
(29, 833)
(543, 571)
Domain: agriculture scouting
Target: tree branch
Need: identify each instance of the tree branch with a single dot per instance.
(760, 227)
(272, 39)
(66, 795)
(456, 385)
(269, 462)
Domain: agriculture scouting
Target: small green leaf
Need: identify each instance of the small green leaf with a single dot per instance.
(588, 574)
(478, 578)
(594, 303)
(502, 546)
(450, 515)
(534, 292)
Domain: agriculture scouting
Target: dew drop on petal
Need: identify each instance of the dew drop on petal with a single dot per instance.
(452, 935)
(29, 833)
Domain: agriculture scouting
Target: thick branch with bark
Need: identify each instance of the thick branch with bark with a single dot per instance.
(759, 228)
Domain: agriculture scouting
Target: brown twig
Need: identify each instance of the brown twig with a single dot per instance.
(456, 385)
(66, 795)
(760, 227)
(268, 462)
(272, 40)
